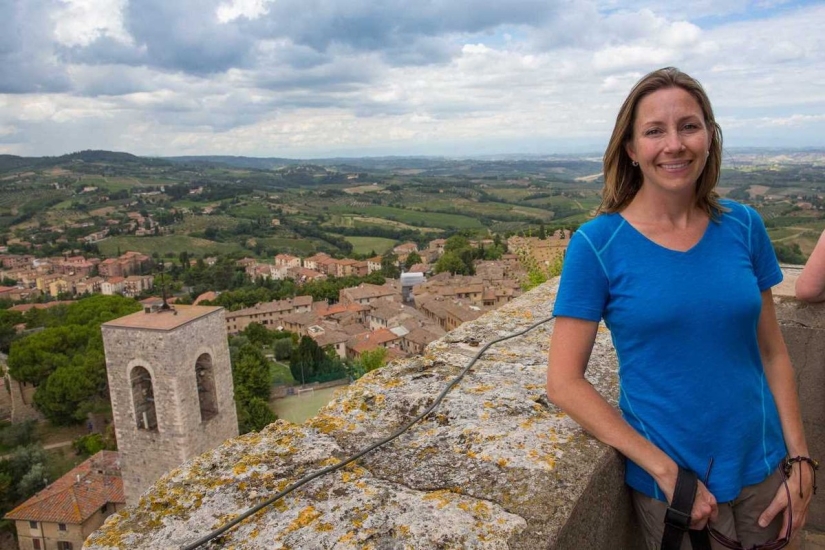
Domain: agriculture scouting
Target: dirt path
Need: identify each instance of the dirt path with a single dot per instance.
(45, 447)
(800, 231)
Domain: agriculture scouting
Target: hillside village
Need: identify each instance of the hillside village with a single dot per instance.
(403, 315)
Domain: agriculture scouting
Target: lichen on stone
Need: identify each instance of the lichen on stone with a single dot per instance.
(495, 466)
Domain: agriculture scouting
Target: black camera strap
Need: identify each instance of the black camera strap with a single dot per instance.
(677, 517)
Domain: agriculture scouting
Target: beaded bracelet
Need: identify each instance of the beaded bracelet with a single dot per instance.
(787, 466)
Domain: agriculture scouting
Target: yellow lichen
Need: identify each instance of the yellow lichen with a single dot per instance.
(326, 424)
(542, 458)
(359, 519)
(347, 537)
(305, 517)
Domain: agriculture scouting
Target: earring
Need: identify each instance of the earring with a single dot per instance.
(634, 163)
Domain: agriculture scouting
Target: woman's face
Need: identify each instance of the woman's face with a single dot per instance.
(670, 141)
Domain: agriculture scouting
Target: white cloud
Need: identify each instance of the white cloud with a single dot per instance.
(251, 9)
(81, 22)
(421, 85)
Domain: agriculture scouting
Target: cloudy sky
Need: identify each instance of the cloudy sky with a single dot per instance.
(313, 78)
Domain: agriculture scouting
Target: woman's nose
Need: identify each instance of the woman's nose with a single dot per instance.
(674, 142)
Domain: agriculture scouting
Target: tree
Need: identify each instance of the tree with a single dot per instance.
(27, 463)
(258, 334)
(67, 395)
(251, 373)
(412, 259)
(456, 243)
(537, 274)
(306, 359)
(67, 362)
(34, 358)
(282, 348)
(8, 332)
(450, 261)
(254, 414)
(389, 267)
(16, 435)
(373, 359)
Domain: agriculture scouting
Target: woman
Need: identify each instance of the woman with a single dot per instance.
(810, 286)
(682, 280)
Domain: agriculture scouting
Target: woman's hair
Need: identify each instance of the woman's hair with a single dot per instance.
(622, 180)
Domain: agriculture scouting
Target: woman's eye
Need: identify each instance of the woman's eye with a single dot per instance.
(652, 131)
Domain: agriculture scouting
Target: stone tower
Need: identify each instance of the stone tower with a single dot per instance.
(170, 382)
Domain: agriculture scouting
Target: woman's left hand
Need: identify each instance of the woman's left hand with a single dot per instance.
(799, 506)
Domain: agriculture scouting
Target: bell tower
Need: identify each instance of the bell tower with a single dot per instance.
(170, 381)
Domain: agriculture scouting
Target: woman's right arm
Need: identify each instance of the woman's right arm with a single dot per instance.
(810, 286)
(570, 348)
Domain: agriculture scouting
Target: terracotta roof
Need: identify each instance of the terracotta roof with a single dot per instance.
(367, 290)
(299, 301)
(77, 495)
(162, 319)
(331, 338)
(342, 308)
(205, 297)
(421, 336)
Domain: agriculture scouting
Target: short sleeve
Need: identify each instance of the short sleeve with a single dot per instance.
(583, 290)
(763, 256)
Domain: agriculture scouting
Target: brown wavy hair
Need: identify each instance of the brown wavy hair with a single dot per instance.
(622, 180)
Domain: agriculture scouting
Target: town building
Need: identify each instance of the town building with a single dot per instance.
(268, 314)
(62, 515)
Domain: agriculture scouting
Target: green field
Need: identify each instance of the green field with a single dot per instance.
(365, 245)
(781, 233)
(294, 246)
(166, 244)
(488, 209)
(412, 217)
(252, 211)
(200, 223)
(279, 373)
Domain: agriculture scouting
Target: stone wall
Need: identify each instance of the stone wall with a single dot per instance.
(22, 401)
(495, 466)
(803, 326)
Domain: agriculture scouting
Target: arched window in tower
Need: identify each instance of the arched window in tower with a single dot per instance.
(207, 396)
(143, 397)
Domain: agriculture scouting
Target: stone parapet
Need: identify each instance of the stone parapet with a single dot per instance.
(495, 466)
(803, 326)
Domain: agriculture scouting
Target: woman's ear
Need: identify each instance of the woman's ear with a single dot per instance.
(628, 148)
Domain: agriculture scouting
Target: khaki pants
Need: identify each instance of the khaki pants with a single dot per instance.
(737, 519)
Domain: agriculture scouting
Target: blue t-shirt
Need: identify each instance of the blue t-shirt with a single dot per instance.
(684, 328)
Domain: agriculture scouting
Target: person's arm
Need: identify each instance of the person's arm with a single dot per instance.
(570, 348)
(810, 286)
(780, 375)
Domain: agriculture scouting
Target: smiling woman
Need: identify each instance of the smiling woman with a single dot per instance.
(683, 281)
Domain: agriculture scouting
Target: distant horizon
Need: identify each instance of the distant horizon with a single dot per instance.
(479, 157)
